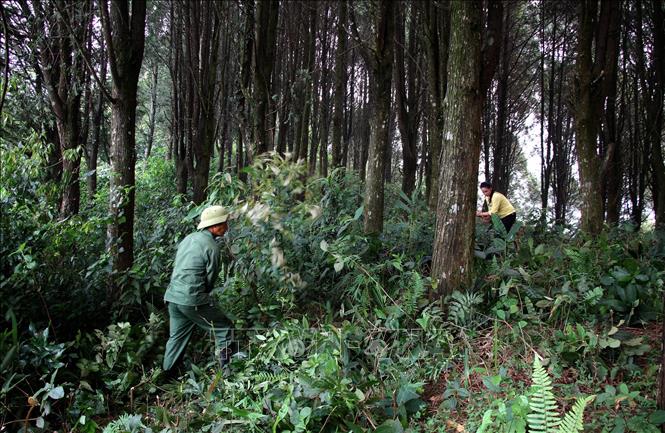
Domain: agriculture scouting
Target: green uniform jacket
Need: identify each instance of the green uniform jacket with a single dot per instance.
(195, 271)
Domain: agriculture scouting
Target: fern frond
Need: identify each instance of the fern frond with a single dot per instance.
(573, 422)
(264, 376)
(124, 424)
(592, 297)
(462, 308)
(543, 417)
(413, 293)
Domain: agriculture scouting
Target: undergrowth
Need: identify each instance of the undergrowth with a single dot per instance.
(339, 334)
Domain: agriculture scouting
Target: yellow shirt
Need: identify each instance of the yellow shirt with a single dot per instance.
(499, 205)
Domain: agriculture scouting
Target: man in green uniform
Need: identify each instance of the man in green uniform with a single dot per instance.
(498, 204)
(195, 271)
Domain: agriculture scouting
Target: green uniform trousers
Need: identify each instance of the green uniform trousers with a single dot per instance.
(183, 318)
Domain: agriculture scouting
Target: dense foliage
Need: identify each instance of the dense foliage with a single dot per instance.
(339, 332)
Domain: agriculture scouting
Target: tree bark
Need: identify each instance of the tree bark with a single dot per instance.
(657, 164)
(455, 222)
(264, 59)
(340, 85)
(656, 130)
(178, 96)
(503, 138)
(62, 69)
(610, 135)
(320, 145)
(349, 113)
(97, 120)
(379, 60)
(153, 109)
(307, 83)
(406, 97)
(589, 97)
(124, 31)
(201, 41)
(437, 41)
(244, 134)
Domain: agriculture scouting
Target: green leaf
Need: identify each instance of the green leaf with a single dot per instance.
(609, 342)
(486, 421)
(657, 417)
(619, 426)
(193, 213)
(606, 280)
(540, 249)
(621, 275)
(642, 278)
(359, 213)
(492, 383)
(390, 426)
(405, 394)
(56, 393)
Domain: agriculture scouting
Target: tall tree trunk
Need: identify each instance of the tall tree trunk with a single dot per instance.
(201, 42)
(125, 37)
(405, 100)
(178, 95)
(610, 135)
(54, 155)
(657, 164)
(455, 220)
(97, 120)
(69, 135)
(307, 82)
(264, 59)
(340, 85)
(656, 130)
(362, 132)
(321, 106)
(590, 99)
(388, 158)
(379, 61)
(153, 109)
(585, 123)
(347, 126)
(503, 139)
(562, 141)
(546, 150)
(62, 68)
(437, 41)
(244, 134)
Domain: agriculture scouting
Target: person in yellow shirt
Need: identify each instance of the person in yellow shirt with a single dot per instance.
(498, 204)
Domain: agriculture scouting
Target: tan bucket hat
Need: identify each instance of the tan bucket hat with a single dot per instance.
(213, 215)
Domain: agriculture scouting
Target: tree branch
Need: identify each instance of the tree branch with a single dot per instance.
(86, 59)
(491, 46)
(56, 102)
(365, 51)
(106, 28)
(5, 81)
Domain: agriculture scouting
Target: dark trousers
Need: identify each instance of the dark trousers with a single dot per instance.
(509, 220)
(183, 319)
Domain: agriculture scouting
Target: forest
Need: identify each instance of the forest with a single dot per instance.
(368, 280)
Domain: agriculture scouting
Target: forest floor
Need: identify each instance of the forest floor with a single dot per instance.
(517, 379)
